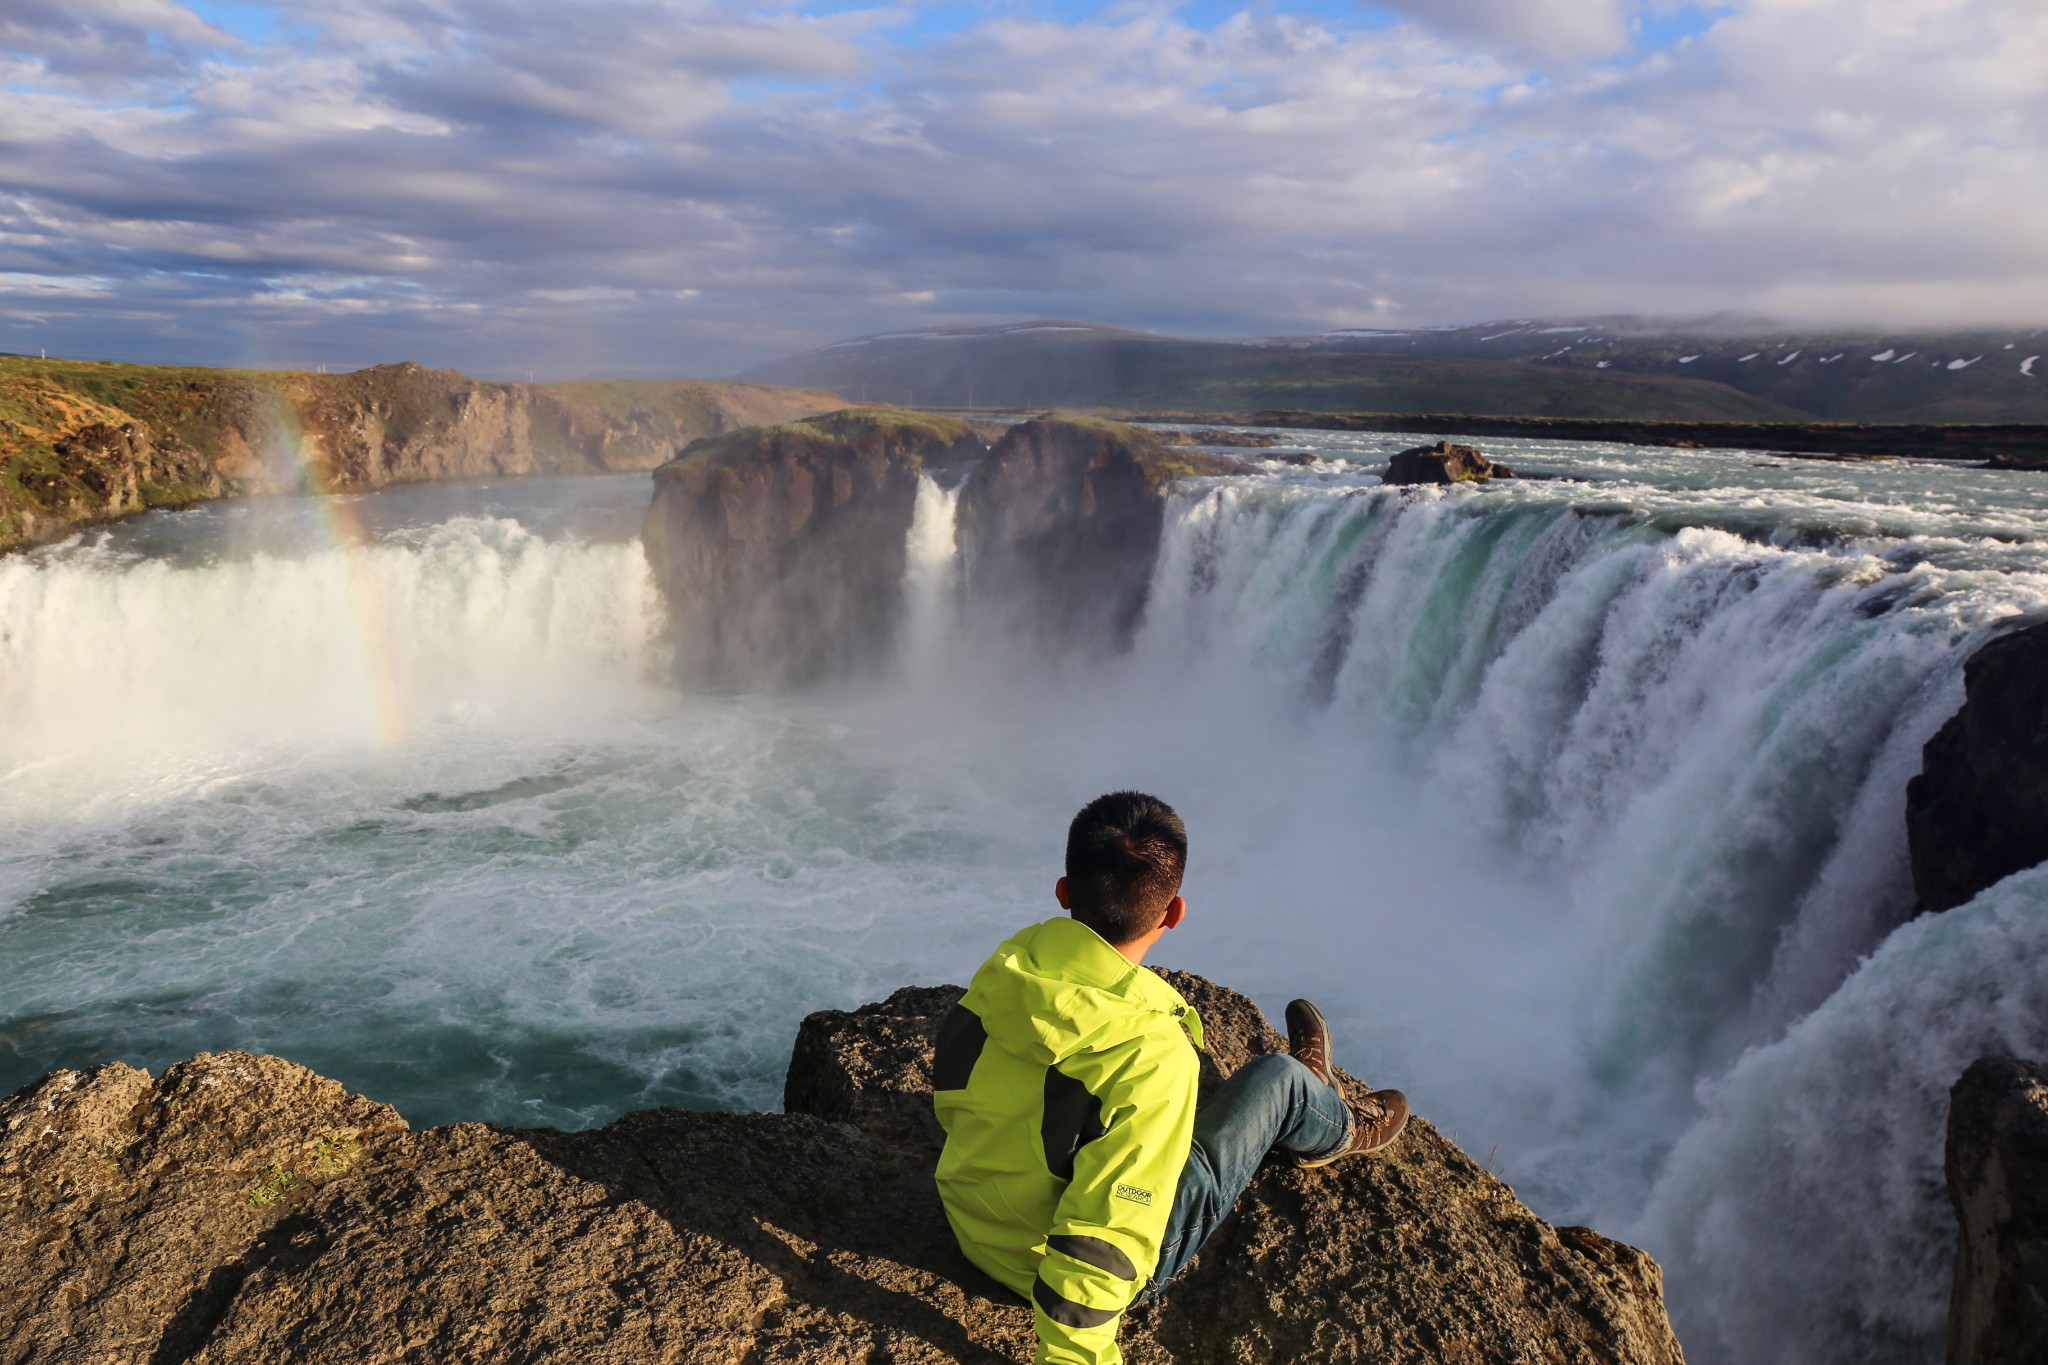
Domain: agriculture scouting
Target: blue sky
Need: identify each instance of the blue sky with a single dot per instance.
(686, 186)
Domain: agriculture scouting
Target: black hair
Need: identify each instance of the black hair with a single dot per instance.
(1125, 855)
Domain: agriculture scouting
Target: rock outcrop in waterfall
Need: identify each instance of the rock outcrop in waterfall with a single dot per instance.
(1997, 1168)
(82, 442)
(1444, 462)
(782, 549)
(1060, 526)
(241, 1208)
(1978, 810)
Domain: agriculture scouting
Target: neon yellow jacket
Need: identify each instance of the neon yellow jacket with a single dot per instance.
(1065, 1080)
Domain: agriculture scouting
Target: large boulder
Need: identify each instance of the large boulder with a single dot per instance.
(1978, 810)
(1997, 1166)
(1421, 1256)
(243, 1209)
(1060, 526)
(1443, 463)
(781, 550)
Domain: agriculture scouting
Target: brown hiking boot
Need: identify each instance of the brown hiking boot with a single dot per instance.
(1376, 1121)
(1308, 1039)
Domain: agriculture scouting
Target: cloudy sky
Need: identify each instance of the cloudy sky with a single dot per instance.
(690, 187)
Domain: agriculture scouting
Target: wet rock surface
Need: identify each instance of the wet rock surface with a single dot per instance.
(243, 1209)
(1978, 810)
(1997, 1168)
(1443, 462)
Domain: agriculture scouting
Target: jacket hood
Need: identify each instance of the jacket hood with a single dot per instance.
(1049, 990)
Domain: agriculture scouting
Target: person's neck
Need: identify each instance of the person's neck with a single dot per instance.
(1136, 949)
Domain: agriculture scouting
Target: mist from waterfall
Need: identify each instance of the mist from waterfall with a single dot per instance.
(1577, 805)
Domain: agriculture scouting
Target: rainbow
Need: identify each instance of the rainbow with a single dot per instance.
(347, 537)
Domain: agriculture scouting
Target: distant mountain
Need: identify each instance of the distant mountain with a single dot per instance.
(1600, 367)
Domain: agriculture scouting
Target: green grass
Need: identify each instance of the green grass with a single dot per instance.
(277, 1183)
(724, 453)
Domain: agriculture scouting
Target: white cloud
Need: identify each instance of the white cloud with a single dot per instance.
(1551, 30)
(722, 184)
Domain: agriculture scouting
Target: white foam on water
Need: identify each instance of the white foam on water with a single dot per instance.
(1805, 1213)
(2027, 366)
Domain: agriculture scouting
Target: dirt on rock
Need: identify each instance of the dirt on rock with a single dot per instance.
(243, 1209)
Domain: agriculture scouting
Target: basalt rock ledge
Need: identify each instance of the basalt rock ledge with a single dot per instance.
(782, 549)
(242, 1209)
(1977, 812)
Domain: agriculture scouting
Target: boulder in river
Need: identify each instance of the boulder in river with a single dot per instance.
(1443, 462)
(1978, 810)
(1997, 1168)
(243, 1209)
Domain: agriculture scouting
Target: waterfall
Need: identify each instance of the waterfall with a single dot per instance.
(931, 575)
(1703, 733)
(473, 619)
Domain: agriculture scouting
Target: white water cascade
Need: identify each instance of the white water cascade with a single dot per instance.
(473, 619)
(930, 575)
(1702, 736)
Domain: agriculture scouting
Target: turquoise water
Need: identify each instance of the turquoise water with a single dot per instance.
(1570, 800)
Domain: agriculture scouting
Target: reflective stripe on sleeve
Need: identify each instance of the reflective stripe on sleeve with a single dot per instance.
(1065, 1311)
(1093, 1251)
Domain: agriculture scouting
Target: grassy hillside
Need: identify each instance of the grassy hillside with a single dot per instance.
(1081, 368)
(1616, 369)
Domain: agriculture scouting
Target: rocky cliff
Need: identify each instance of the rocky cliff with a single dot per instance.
(1060, 526)
(1978, 810)
(242, 1209)
(1997, 1167)
(85, 442)
(782, 549)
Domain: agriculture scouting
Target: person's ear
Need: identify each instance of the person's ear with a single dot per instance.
(1061, 894)
(1175, 908)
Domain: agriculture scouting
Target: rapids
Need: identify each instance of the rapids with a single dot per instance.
(1578, 805)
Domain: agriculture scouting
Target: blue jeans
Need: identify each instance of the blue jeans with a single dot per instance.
(1272, 1102)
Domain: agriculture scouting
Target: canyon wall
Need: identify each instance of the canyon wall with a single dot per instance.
(81, 443)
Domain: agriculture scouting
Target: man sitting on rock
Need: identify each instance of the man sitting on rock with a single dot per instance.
(1077, 1169)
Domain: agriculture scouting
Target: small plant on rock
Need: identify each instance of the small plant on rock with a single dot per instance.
(274, 1185)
